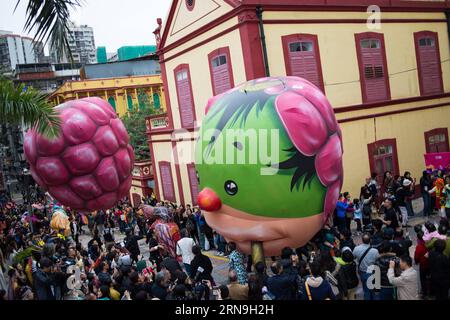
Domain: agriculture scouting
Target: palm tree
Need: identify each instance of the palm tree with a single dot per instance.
(49, 19)
(29, 106)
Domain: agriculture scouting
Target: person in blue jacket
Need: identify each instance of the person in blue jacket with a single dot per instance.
(341, 209)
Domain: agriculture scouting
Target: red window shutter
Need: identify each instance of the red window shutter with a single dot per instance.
(428, 62)
(193, 181)
(185, 98)
(167, 181)
(221, 70)
(304, 63)
(302, 58)
(221, 76)
(374, 73)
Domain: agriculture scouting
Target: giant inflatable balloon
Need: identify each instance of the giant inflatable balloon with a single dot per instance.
(88, 167)
(60, 220)
(269, 162)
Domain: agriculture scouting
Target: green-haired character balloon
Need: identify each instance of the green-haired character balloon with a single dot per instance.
(269, 162)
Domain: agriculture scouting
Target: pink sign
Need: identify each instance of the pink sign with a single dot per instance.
(437, 161)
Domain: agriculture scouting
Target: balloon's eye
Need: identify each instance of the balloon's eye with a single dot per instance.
(231, 187)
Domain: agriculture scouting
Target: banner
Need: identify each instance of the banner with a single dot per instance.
(437, 161)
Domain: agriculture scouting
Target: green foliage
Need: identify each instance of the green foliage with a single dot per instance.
(135, 123)
(18, 103)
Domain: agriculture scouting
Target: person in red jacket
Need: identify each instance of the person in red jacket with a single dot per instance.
(421, 258)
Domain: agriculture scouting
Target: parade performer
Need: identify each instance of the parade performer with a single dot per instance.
(167, 232)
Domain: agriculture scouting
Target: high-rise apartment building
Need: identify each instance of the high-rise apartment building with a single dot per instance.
(15, 49)
(82, 46)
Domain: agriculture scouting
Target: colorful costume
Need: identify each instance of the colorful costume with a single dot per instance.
(167, 233)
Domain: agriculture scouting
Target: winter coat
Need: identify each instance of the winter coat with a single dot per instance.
(346, 275)
(319, 288)
(44, 285)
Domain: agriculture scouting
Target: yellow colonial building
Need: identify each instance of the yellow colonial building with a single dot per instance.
(385, 69)
(123, 93)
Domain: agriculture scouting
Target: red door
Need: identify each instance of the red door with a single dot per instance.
(167, 181)
(428, 62)
(374, 73)
(185, 99)
(193, 182)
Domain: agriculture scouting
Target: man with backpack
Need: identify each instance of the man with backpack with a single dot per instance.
(366, 256)
(346, 274)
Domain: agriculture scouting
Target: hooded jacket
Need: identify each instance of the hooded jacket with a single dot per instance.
(319, 288)
(346, 274)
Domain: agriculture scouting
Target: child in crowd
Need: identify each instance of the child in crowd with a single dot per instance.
(357, 215)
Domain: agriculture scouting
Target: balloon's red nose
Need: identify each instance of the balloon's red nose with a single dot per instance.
(208, 200)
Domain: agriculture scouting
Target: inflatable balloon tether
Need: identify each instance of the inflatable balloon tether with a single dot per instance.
(257, 252)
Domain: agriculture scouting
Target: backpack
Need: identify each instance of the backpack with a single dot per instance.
(367, 210)
(349, 276)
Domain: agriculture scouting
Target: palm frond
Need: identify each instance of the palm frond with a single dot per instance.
(50, 20)
(18, 103)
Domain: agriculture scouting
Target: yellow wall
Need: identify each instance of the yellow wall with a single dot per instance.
(407, 128)
(118, 88)
(339, 58)
(339, 64)
(200, 73)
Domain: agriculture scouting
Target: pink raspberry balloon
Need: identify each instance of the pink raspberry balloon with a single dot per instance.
(88, 167)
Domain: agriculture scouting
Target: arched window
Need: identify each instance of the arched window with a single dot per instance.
(372, 67)
(156, 101)
(302, 58)
(143, 100)
(383, 156)
(130, 102)
(193, 182)
(185, 96)
(221, 70)
(437, 140)
(112, 102)
(428, 62)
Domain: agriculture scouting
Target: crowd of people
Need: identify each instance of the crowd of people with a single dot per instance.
(366, 243)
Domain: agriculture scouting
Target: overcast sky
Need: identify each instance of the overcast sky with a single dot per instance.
(116, 23)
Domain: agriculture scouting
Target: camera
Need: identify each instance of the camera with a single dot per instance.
(397, 262)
